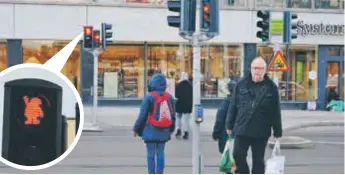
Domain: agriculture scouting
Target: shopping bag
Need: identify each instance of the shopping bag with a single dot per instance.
(275, 164)
(227, 163)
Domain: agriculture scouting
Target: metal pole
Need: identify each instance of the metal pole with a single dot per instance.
(287, 74)
(196, 96)
(95, 85)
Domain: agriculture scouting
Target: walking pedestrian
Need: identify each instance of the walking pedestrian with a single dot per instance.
(184, 104)
(253, 112)
(219, 133)
(156, 123)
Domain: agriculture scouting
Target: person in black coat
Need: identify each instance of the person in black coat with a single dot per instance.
(184, 104)
(253, 112)
(219, 133)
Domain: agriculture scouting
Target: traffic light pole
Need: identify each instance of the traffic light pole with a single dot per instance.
(196, 95)
(196, 101)
(95, 54)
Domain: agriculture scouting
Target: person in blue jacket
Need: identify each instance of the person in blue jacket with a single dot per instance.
(154, 138)
(219, 131)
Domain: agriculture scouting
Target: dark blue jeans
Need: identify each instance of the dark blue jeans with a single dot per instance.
(155, 157)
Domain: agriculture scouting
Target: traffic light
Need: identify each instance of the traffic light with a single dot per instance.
(106, 34)
(88, 39)
(264, 25)
(32, 122)
(290, 27)
(185, 21)
(96, 39)
(209, 17)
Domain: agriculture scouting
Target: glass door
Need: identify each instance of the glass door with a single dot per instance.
(335, 79)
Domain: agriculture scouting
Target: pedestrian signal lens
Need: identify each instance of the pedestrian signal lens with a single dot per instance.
(33, 111)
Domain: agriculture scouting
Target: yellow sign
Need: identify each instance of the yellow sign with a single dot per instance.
(278, 63)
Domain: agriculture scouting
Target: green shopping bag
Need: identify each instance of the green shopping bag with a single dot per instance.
(227, 163)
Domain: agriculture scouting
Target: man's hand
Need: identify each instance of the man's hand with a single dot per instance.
(277, 139)
(229, 131)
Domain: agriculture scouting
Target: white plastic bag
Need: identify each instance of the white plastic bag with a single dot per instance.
(275, 164)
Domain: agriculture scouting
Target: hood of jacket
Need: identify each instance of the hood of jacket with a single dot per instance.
(158, 83)
(184, 76)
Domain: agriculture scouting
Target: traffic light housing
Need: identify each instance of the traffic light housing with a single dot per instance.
(290, 27)
(185, 21)
(106, 34)
(264, 24)
(209, 17)
(88, 37)
(32, 122)
(96, 39)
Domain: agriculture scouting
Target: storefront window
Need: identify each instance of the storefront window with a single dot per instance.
(328, 4)
(269, 3)
(218, 63)
(335, 51)
(41, 51)
(296, 85)
(121, 72)
(3, 56)
(235, 3)
(305, 4)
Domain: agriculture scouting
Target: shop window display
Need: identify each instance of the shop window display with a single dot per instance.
(296, 84)
(218, 64)
(121, 72)
(40, 51)
(3, 56)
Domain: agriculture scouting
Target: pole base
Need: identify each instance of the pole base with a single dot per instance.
(92, 128)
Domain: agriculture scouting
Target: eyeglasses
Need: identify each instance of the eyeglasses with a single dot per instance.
(257, 68)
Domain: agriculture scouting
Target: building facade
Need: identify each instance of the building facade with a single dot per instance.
(32, 31)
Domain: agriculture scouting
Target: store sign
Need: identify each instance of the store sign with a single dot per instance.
(306, 29)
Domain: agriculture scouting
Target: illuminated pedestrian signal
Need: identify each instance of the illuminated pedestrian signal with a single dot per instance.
(264, 24)
(88, 39)
(32, 122)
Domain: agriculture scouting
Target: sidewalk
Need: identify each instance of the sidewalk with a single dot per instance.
(292, 119)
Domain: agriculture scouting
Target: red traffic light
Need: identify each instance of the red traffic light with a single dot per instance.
(206, 8)
(88, 30)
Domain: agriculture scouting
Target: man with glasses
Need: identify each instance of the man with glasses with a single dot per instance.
(254, 111)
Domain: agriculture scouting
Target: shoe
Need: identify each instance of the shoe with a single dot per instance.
(178, 133)
(185, 136)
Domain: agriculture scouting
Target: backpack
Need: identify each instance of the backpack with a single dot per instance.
(164, 120)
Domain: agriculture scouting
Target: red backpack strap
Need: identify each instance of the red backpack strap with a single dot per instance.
(156, 101)
(166, 97)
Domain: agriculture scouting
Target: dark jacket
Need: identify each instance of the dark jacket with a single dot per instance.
(255, 109)
(148, 132)
(184, 95)
(219, 131)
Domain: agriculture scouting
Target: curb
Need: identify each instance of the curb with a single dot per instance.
(314, 124)
(292, 142)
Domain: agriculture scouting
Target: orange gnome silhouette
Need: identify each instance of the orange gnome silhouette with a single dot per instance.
(33, 110)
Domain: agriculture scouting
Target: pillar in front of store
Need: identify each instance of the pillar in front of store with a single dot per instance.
(14, 52)
(86, 76)
(322, 77)
(249, 55)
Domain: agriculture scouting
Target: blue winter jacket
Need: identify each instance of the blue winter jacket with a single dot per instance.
(148, 132)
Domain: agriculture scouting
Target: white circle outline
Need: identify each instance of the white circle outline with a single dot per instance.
(81, 123)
